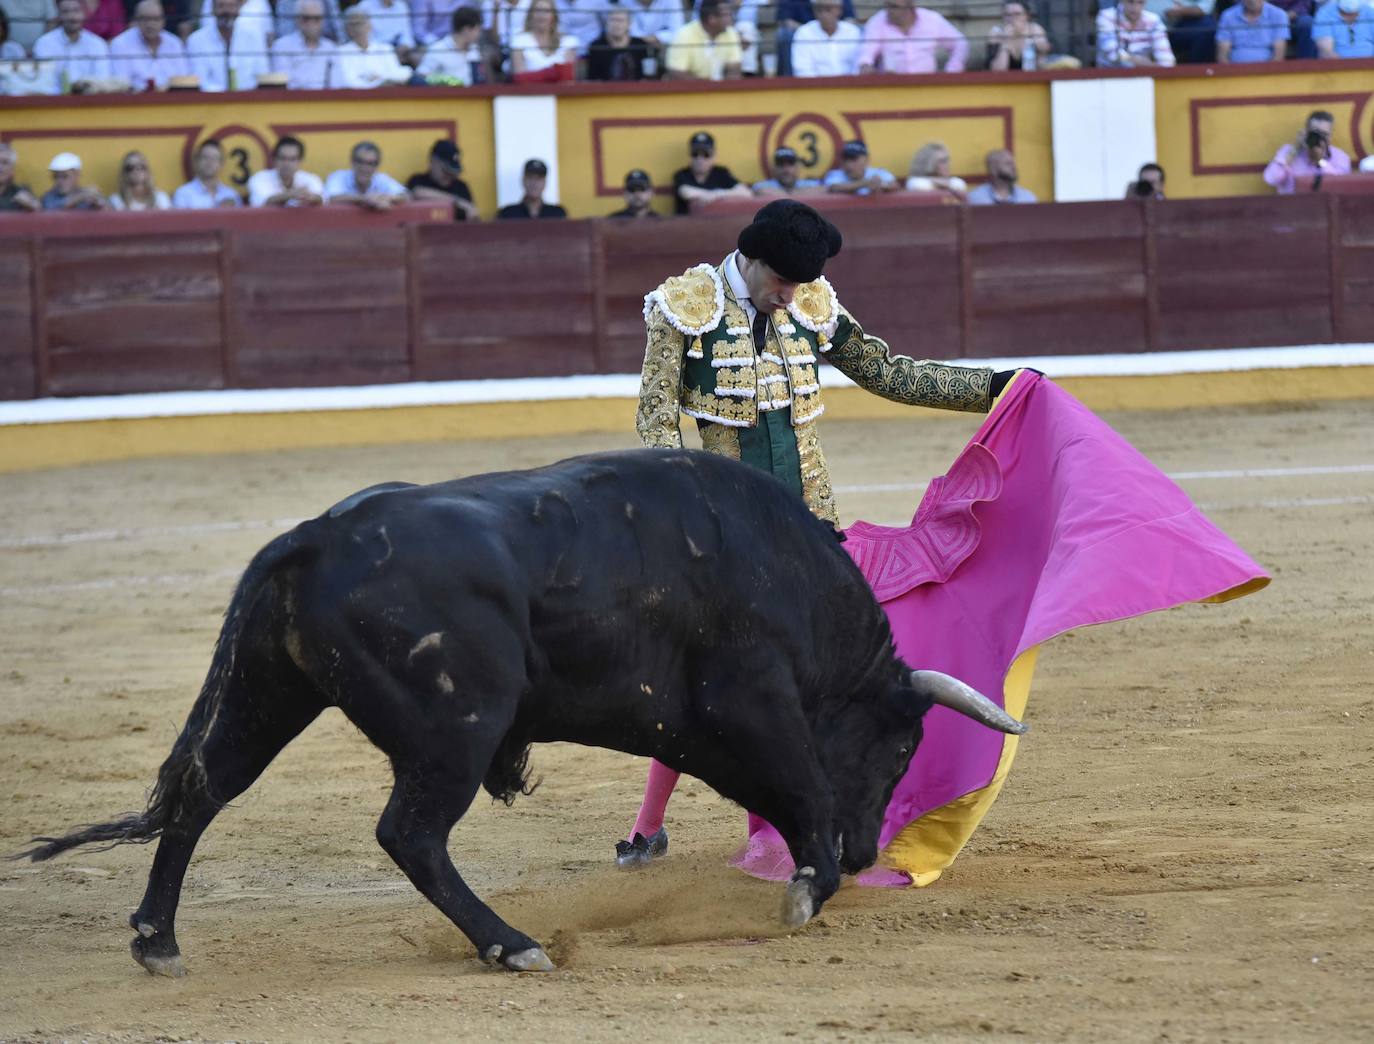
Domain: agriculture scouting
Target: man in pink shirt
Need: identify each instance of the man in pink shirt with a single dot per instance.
(1312, 154)
(904, 38)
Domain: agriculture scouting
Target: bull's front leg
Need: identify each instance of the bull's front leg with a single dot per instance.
(810, 838)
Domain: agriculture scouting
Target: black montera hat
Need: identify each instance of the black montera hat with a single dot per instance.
(792, 239)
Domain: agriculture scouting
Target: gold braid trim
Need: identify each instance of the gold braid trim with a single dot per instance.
(815, 475)
(656, 419)
(718, 438)
(870, 363)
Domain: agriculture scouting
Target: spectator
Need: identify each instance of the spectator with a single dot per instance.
(1192, 28)
(78, 56)
(543, 53)
(455, 59)
(1148, 183)
(10, 50)
(432, 20)
(67, 192)
(826, 46)
(532, 205)
(1128, 36)
(1299, 14)
(229, 54)
(305, 56)
(364, 62)
(639, 197)
(503, 21)
(746, 23)
(787, 179)
(391, 24)
(441, 181)
(1344, 29)
(205, 191)
(1018, 42)
(363, 185)
(904, 38)
(1311, 154)
(708, 48)
(701, 181)
(284, 184)
(27, 21)
(615, 54)
(655, 21)
(1001, 186)
(13, 196)
(105, 18)
(581, 19)
(930, 172)
(288, 12)
(135, 189)
(854, 176)
(791, 16)
(146, 54)
(1252, 31)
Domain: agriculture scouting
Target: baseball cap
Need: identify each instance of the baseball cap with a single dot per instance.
(785, 155)
(447, 153)
(538, 167)
(854, 149)
(702, 140)
(65, 161)
(638, 179)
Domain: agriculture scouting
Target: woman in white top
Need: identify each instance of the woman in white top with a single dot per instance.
(541, 46)
(136, 190)
(930, 172)
(362, 61)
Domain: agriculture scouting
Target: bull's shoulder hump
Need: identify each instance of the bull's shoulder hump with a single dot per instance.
(354, 499)
(693, 302)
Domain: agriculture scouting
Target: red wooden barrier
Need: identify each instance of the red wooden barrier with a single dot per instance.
(336, 297)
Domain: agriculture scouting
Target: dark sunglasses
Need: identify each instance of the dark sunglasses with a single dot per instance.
(702, 154)
(131, 167)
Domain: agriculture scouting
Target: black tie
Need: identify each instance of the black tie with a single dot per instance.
(760, 331)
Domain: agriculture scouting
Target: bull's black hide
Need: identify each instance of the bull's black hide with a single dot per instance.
(664, 603)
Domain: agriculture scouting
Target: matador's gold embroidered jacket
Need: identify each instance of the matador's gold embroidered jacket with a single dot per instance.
(762, 407)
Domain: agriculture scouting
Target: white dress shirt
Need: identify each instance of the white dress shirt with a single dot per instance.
(661, 19)
(306, 69)
(85, 58)
(378, 66)
(816, 54)
(131, 59)
(265, 184)
(506, 20)
(228, 66)
(443, 58)
(392, 25)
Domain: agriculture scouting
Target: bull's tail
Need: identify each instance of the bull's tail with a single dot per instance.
(182, 781)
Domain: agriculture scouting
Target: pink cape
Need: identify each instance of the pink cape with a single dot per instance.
(1047, 521)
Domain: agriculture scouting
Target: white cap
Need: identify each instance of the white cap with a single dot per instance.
(65, 161)
(1367, 165)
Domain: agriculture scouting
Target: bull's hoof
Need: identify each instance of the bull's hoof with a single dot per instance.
(532, 960)
(799, 901)
(641, 851)
(157, 960)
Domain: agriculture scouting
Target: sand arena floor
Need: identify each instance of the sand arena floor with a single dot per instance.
(1183, 851)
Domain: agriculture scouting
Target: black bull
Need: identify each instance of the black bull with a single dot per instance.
(664, 603)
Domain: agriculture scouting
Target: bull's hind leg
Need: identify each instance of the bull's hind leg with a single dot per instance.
(426, 802)
(247, 732)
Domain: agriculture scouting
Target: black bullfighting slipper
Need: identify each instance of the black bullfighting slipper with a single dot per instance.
(641, 851)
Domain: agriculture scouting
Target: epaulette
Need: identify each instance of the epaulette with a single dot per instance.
(692, 302)
(815, 307)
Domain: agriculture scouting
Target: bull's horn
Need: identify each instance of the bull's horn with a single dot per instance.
(954, 694)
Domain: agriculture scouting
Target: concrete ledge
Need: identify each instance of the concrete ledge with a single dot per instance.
(322, 418)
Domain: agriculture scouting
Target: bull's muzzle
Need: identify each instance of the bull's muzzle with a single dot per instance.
(954, 694)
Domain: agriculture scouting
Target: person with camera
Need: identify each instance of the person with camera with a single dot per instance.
(1311, 155)
(1148, 183)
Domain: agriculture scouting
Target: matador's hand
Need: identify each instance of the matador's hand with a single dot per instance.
(1001, 378)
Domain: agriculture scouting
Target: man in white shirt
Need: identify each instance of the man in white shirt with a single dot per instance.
(228, 55)
(391, 23)
(284, 184)
(307, 58)
(205, 191)
(365, 62)
(452, 57)
(580, 18)
(286, 19)
(78, 56)
(826, 46)
(362, 184)
(655, 21)
(146, 54)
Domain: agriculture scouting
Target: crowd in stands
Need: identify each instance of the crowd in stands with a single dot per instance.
(81, 46)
